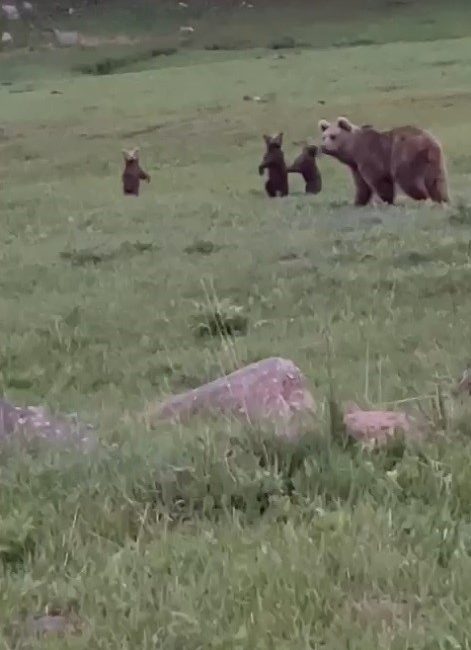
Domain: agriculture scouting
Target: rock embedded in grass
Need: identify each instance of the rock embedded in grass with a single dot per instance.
(272, 391)
(34, 423)
(378, 428)
(10, 12)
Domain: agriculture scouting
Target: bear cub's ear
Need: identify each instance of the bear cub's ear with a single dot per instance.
(345, 124)
(275, 140)
(278, 139)
(323, 125)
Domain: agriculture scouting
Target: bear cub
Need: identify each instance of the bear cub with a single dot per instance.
(274, 162)
(133, 173)
(306, 165)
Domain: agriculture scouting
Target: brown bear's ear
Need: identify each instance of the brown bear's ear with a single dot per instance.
(324, 125)
(126, 154)
(345, 124)
(267, 138)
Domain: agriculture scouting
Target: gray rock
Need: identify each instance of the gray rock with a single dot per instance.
(67, 39)
(270, 391)
(56, 624)
(34, 423)
(11, 12)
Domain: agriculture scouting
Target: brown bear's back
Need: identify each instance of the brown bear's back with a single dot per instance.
(374, 147)
(410, 143)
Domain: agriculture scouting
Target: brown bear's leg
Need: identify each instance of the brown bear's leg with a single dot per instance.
(270, 189)
(363, 190)
(385, 189)
(310, 188)
(414, 189)
(437, 190)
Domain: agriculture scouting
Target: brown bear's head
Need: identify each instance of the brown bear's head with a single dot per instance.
(337, 138)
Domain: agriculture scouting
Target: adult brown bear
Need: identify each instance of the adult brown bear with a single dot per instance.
(406, 156)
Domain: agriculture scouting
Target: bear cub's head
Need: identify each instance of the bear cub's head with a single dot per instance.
(131, 155)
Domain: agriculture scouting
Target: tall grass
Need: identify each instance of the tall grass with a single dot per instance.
(213, 535)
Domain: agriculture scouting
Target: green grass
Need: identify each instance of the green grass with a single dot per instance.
(212, 536)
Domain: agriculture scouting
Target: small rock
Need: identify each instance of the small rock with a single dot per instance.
(46, 625)
(183, 4)
(269, 391)
(71, 11)
(7, 38)
(187, 29)
(28, 7)
(463, 385)
(55, 624)
(67, 39)
(377, 428)
(33, 423)
(10, 12)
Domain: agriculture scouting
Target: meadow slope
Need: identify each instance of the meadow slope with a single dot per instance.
(185, 539)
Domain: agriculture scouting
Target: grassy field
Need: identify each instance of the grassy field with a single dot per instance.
(208, 536)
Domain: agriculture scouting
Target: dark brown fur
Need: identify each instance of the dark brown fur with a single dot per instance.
(306, 165)
(274, 161)
(133, 174)
(406, 156)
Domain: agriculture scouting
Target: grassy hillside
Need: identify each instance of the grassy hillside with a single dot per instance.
(209, 537)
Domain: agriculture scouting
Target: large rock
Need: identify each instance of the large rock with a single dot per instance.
(272, 391)
(31, 423)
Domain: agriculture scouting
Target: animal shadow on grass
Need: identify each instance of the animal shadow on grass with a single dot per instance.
(462, 215)
(110, 65)
(202, 247)
(87, 256)
(220, 319)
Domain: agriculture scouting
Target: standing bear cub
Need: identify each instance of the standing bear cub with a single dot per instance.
(274, 161)
(306, 165)
(406, 156)
(133, 174)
